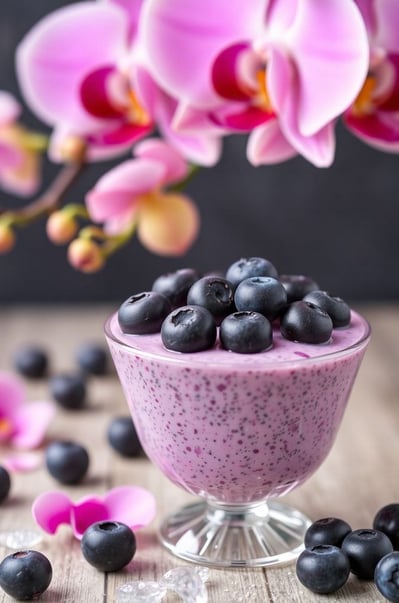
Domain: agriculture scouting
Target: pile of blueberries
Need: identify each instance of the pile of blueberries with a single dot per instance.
(108, 546)
(333, 550)
(187, 309)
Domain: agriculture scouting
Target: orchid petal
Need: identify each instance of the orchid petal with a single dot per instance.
(387, 19)
(380, 129)
(189, 120)
(117, 190)
(157, 150)
(95, 93)
(10, 157)
(392, 66)
(22, 462)
(182, 42)
(268, 145)
(61, 50)
(125, 134)
(243, 120)
(12, 394)
(225, 73)
(10, 108)
(329, 46)
(51, 509)
(31, 422)
(87, 511)
(20, 166)
(131, 505)
(367, 10)
(168, 224)
(132, 9)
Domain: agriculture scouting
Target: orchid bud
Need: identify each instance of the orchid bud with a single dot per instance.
(61, 227)
(7, 237)
(85, 255)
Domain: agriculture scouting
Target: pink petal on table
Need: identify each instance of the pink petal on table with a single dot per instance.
(23, 461)
(87, 511)
(12, 394)
(329, 46)
(132, 505)
(31, 422)
(61, 50)
(10, 108)
(182, 38)
(267, 145)
(116, 191)
(51, 509)
(158, 150)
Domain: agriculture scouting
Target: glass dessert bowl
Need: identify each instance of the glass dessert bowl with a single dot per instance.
(238, 431)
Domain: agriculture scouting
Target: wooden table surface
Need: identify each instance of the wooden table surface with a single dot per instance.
(359, 476)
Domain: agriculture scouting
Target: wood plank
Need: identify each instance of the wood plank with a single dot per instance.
(359, 476)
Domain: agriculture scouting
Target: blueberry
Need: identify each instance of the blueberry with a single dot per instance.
(143, 313)
(175, 285)
(247, 267)
(263, 294)
(68, 390)
(297, 286)
(323, 568)
(25, 575)
(108, 545)
(306, 323)
(189, 329)
(213, 293)
(328, 530)
(123, 438)
(386, 576)
(31, 362)
(66, 461)
(246, 333)
(92, 359)
(5, 483)
(364, 549)
(336, 308)
(387, 521)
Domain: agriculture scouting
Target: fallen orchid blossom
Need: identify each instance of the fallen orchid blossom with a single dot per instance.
(131, 505)
(23, 425)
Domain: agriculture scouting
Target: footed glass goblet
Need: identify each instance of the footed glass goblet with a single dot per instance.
(238, 431)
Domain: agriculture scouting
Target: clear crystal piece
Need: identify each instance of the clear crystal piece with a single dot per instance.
(188, 583)
(140, 592)
(20, 539)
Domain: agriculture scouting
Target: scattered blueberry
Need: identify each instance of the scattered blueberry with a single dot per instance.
(67, 461)
(175, 285)
(246, 333)
(92, 359)
(5, 483)
(143, 313)
(386, 576)
(108, 545)
(306, 323)
(297, 286)
(68, 390)
(189, 329)
(213, 293)
(387, 521)
(248, 267)
(31, 362)
(336, 308)
(122, 436)
(263, 294)
(328, 530)
(25, 575)
(364, 548)
(323, 568)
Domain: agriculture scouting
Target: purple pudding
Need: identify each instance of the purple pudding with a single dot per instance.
(235, 428)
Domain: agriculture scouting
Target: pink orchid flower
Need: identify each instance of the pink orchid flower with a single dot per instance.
(374, 116)
(134, 193)
(280, 69)
(131, 505)
(23, 425)
(74, 70)
(19, 163)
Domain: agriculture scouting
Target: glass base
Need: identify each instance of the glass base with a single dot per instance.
(221, 535)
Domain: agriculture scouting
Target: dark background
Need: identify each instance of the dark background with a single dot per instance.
(338, 225)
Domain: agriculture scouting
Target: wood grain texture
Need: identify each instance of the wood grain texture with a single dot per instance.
(358, 477)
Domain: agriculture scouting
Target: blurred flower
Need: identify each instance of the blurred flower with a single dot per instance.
(283, 71)
(133, 192)
(74, 70)
(85, 255)
(131, 505)
(19, 159)
(23, 424)
(374, 116)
